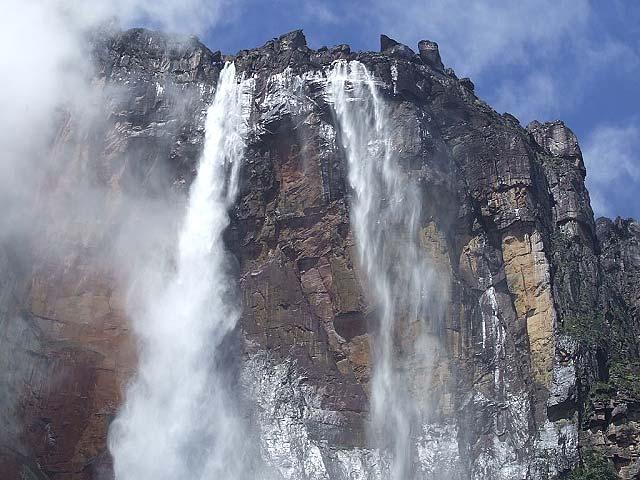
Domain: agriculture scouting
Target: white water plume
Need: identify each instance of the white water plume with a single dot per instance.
(178, 421)
(385, 217)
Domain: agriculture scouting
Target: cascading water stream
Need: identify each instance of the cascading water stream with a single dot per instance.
(385, 217)
(178, 421)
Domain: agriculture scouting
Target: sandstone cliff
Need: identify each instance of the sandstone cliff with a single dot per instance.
(538, 357)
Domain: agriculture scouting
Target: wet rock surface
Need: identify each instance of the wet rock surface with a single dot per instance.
(521, 385)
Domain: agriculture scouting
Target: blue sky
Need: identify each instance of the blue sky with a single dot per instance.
(575, 60)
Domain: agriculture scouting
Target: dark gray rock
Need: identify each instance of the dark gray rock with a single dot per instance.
(467, 83)
(556, 139)
(395, 49)
(430, 54)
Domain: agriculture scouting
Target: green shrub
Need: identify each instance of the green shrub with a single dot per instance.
(587, 329)
(594, 467)
(625, 376)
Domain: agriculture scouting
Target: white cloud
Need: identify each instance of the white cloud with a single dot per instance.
(475, 36)
(45, 64)
(320, 12)
(536, 96)
(531, 57)
(49, 200)
(612, 158)
(186, 16)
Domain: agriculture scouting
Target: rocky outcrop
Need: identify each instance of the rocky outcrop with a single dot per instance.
(517, 388)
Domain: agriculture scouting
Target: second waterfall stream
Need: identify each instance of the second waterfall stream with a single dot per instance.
(178, 421)
(385, 218)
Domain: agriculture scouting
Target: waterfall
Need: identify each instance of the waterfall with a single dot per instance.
(385, 218)
(178, 421)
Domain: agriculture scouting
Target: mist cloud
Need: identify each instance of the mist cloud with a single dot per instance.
(47, 70)
(612, 157)
(53, 206)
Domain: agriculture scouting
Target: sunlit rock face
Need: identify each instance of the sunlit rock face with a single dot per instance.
(515, 383)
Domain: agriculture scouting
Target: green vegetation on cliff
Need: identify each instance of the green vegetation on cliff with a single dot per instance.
(594, 467)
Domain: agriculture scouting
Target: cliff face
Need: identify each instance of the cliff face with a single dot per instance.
(537, 353)
(614, 403)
